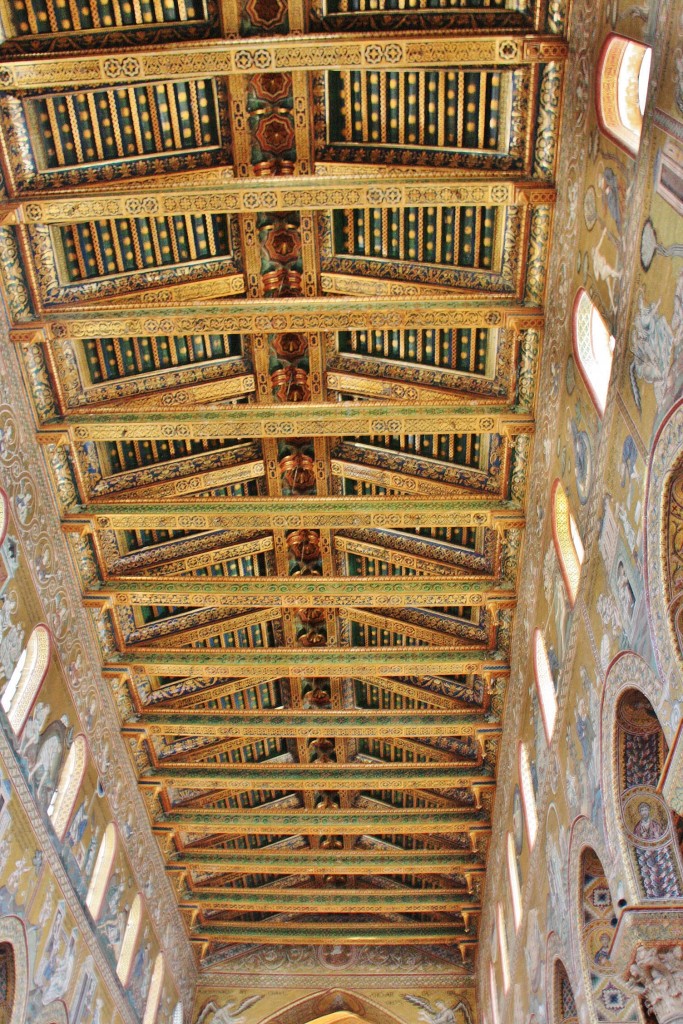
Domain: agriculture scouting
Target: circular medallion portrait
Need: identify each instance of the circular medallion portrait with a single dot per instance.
(337, 958)
(646, 817)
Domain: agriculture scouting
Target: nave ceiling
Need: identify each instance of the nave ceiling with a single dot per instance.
(276, 276)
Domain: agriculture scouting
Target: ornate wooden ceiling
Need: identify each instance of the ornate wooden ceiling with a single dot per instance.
(276, 274)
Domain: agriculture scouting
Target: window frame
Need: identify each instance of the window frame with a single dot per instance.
(526, 787)
(581, 296)
(562, 555)
(545, 686)
(609, 91)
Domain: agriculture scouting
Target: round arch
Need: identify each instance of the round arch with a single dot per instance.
(13, 933)
(665, 462)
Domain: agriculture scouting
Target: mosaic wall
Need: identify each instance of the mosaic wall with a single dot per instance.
(606, 838)
(61, 960)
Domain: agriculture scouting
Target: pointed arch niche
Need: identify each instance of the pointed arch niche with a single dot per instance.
(621, 93)
(610, 997)
(564, 1004)
(25, 682)
(64, 798)
(651, 830)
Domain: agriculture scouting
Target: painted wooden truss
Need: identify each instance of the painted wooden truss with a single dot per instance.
(276, 278)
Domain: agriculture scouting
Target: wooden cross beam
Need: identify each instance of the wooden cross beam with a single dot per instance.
(188, 61)
(327, 862)
(306, 777)
(334, 419)
(295, 592)
(295, 513)
(302, 662)
(300, 822)
(287, 724)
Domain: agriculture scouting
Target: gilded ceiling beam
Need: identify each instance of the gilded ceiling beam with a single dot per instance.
(288, 723)
(249, 195)
(295, 513)
(357, 775)
(383, 592)
(273, 932)
(300, 662)
(313, 901)
(327, 862)
(301, 822)
(250, 316)
(333, 419)
(186, 61)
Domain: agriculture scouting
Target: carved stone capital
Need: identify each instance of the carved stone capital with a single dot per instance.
(643, 950)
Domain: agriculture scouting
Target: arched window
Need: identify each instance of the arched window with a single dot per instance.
(494, 994)
(568, 543)
(513, 878)
(593, 348)
(623, 78)
(4, 515)
(528, 795)
(154, 995)
(130, 938)
(7, 982)
(102, 871)
(652, 840)
(27, 678)
(178, 1013)
(545, 685)
(503, 947)
(610, 996)
(64, 797)
(565, 1004)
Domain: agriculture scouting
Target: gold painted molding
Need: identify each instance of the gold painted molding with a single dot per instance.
(187, 61)
(261, 316)
(292, 592)
(302, 419)
(306, 724)
(301, 661)
(297, 513)
(270, 195)
(357, 775)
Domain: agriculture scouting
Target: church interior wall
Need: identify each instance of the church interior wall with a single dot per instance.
(623, 248)
(64, 960)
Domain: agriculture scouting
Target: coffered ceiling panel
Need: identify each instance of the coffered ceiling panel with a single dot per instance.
(276, 274)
